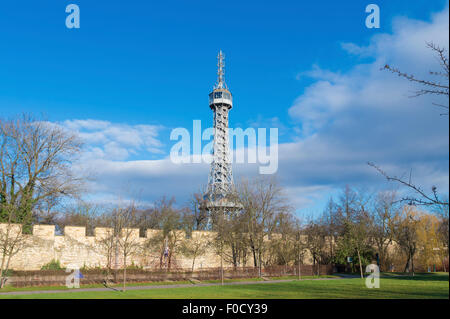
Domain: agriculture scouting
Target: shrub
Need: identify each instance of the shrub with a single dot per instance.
(133, 266)
(53, 265)
(8, 273)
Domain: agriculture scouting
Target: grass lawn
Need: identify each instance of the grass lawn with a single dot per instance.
(154, 283)
(391, 287)
(39, 288)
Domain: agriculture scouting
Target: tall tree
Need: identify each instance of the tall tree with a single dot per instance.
(121, 238)
(196, 216)
(127, 235)
(285, 241)
(354, 232)
(35, 165)
(406, 234)
(429, 242)
(194, 246)
(35, 172)
(316, 242)
(262, 201)
(170, 223)
(382, 225)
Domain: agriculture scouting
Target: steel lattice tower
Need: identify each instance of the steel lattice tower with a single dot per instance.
(220, 183)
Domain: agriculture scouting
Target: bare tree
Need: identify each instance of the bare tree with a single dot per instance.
(360, 237)
(195, 246)
(424, 198)
(167, 242)
(429, 87)
(219, 222)
(406, 226)
(196, 217)
(35, 172)
(11, 242)
(284, 242)
(107, 241)
(262, 201)
(35, 165)
(442, 213)
(382, 225)
(107, 244)
(316, 242)
(232, 237)
(80, 213)
(330, 220)
(127, 235)
(300, 245)
(353, 220)
(433, 87)
(361, 230)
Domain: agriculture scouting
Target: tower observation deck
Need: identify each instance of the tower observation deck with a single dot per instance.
(219, 195)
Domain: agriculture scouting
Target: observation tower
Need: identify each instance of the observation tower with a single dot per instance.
(220, 195)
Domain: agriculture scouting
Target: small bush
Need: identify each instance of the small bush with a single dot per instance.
(133, 266)
(8, 273)
(53, 265)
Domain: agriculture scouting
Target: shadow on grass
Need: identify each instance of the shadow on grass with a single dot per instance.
(417, 276)
(427, 276)
(353, 289)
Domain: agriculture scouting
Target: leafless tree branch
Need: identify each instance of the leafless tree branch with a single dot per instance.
(424, 199)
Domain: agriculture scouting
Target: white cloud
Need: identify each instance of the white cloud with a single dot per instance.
(367, 115)
(88, 124)
(143, 180)
(115, 141)
(345, 119)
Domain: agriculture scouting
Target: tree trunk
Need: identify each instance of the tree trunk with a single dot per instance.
(2, 271)
(124, 272)
(259, 266)
(108, 263)
(169, 260)
(193, 262)
(255, 259)
(6, 268)
(360, 263)
(234, 252)
(407, 266)
(221, 266)
(161, 256)
(116, 260)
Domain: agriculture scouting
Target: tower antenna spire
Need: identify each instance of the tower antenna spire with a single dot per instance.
(220, 71)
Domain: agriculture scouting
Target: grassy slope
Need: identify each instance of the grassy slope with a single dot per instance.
(420, 286)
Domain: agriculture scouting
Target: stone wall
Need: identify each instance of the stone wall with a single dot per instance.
(75, 248)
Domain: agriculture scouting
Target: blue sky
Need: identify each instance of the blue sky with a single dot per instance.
(137, 69)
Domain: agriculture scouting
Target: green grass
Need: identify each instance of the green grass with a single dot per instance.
(303, 277)
(119, 285)
(153, 283)
(391, 287)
